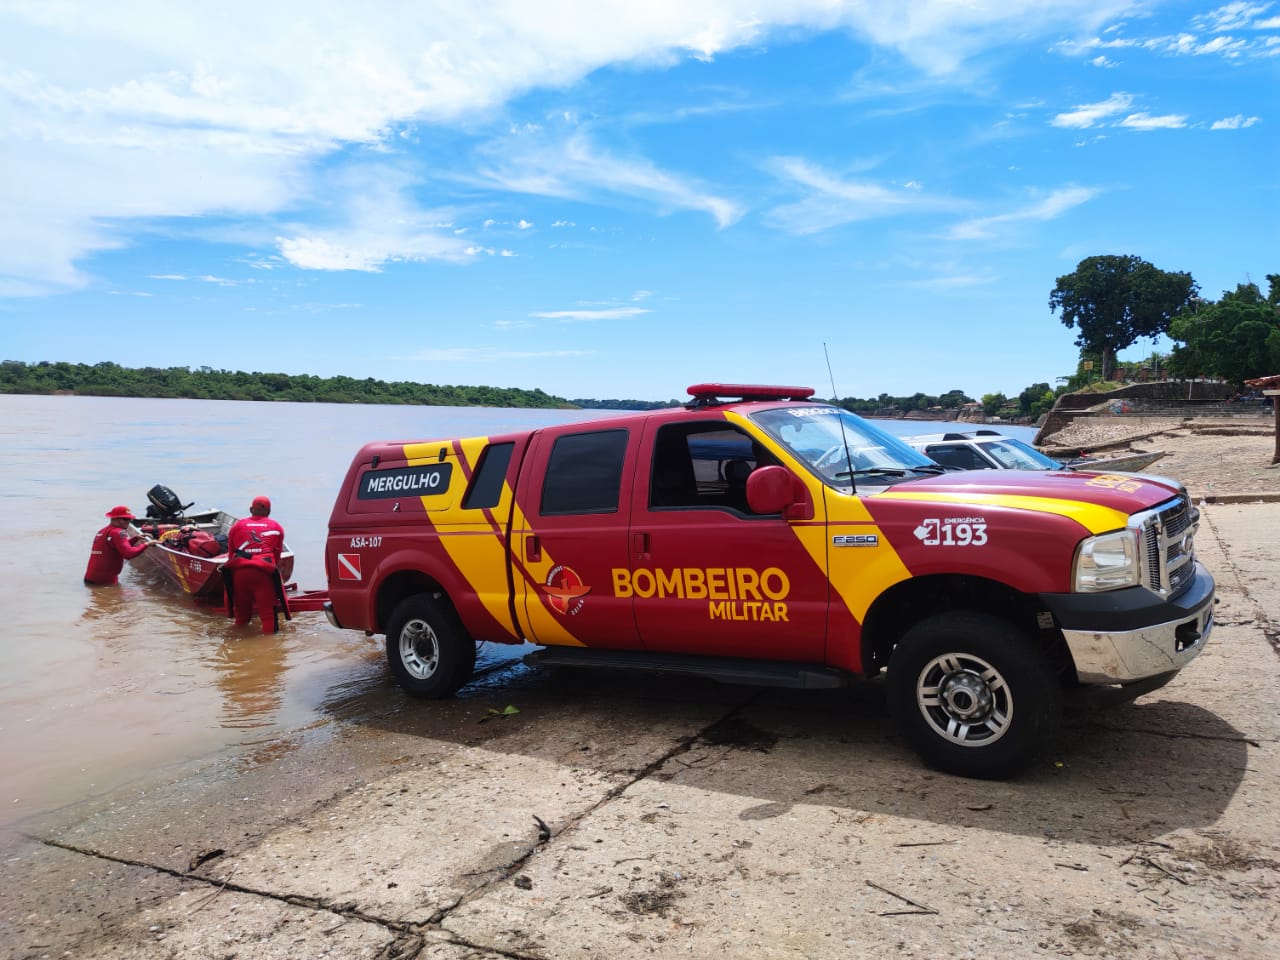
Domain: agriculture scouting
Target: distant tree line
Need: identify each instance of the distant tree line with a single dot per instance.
(887, 405)
(205, 383)
(625, 404)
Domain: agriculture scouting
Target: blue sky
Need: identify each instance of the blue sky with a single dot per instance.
(618, 199)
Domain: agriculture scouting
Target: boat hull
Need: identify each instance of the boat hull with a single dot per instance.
(1123, 463)
(199, 576)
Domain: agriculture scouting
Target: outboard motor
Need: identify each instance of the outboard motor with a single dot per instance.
(165, 506)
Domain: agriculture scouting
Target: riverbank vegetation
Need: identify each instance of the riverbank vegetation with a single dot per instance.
(204, 383)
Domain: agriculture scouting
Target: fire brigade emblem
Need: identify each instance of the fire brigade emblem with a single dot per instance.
(565, 591)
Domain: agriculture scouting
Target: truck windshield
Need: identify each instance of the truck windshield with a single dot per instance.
(1016, 455)
(841, 447)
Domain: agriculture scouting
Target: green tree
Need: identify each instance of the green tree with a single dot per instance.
(991, 402)
(1032, 395)
(953, 399)
(1236, 338)
(1113, 301)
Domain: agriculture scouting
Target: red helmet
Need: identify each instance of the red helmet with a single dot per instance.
(117, 513)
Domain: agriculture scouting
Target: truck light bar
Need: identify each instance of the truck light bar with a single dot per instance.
(709, 393)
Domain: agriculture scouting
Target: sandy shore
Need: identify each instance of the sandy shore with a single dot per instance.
(641, 817)
(1216, 459)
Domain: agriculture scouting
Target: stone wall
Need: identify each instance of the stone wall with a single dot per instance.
(1189, 397)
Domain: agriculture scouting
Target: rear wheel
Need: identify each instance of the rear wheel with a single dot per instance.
(973, 695)
(430, 654)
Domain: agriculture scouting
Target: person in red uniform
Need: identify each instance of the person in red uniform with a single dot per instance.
(254, 545)
(112, 546)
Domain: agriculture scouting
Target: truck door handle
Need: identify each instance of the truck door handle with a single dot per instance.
(640, 545)
(532, 548)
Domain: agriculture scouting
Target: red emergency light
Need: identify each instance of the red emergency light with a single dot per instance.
(714, 392)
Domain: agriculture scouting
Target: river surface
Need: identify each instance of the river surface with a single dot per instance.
(102, 687)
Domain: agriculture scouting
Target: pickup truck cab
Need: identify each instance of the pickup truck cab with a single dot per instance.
(756, 536)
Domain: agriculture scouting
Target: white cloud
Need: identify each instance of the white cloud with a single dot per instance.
(1245, 18)
(375, 224)
(1049, 207)
(114, 114)
(577, 168)
(1224, 45)
(587, 316)
(1231, 16)
(1238, 122)
(1144, 121)
(1087, 115)
(1102, 61)
(832, 201)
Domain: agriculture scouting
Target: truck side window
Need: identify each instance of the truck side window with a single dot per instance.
(584, 473)
(703, 464)
(486, 484)
(958, 455)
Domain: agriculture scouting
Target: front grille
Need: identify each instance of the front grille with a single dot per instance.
(1167, 536)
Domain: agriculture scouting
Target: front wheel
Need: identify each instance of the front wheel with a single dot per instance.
(428, 650)
(973, 695)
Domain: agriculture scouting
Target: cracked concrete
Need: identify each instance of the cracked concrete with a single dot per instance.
(650, 816)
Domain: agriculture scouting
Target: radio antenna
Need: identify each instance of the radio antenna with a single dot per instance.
(848, 457)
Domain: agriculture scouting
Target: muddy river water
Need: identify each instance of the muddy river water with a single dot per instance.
(99, 687)
(102, 687)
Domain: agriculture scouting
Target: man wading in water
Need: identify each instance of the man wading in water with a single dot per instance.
(255, 544)
(112, 547)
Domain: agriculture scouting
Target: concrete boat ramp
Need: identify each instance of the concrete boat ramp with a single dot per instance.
(625, 817)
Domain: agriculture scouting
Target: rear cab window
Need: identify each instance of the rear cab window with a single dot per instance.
(485, 491)
(584, 473)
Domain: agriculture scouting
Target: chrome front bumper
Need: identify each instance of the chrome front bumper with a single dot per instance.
(1127, 655)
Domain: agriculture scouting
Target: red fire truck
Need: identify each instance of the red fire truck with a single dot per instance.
(755, 536)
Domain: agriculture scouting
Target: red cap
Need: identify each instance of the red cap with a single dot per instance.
(117, 513)
(260, 502)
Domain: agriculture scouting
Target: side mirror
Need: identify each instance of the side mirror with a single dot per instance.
(775, 489)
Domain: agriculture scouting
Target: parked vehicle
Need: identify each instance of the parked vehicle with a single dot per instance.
(755, 536)
(992, 450)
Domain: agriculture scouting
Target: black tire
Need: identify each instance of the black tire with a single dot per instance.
(428, 650)
(973, 695)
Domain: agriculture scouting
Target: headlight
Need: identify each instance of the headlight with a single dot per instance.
(1107, 562)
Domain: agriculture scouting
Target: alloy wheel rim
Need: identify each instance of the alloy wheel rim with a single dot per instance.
(419, 649)
(964, 699)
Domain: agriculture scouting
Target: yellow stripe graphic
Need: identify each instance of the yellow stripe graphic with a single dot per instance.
(859, 575)
(474, 545)
(1091, 516)
(536, 620)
